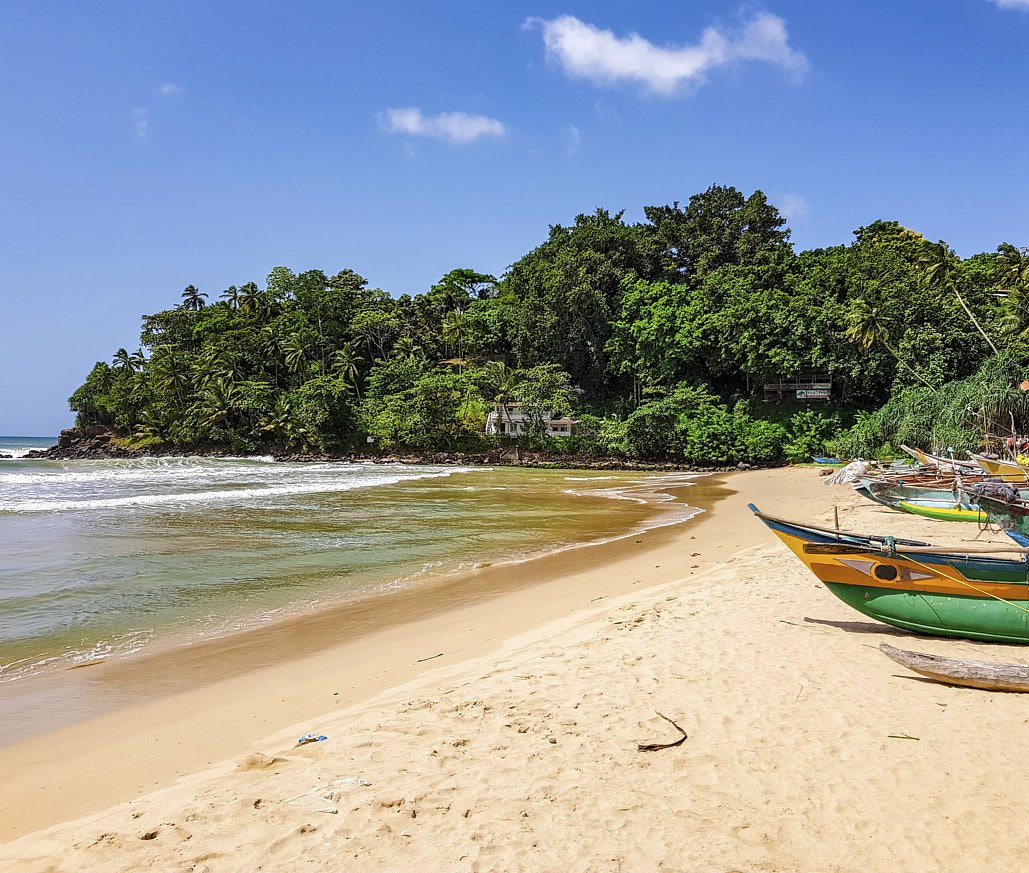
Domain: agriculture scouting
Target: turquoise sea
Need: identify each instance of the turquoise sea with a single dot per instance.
(102, 559)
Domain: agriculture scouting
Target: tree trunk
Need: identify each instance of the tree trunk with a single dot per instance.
(978, 326)
(909, 368)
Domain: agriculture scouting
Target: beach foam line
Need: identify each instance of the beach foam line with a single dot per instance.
(155, 469)
(237, 495)
(19, 453)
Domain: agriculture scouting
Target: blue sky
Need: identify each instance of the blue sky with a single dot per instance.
(146, 146)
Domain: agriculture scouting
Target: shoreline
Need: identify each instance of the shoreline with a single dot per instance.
(148, 684)
(517, 748)
(80, 691)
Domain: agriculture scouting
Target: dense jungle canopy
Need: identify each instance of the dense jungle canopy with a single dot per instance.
(657, 335)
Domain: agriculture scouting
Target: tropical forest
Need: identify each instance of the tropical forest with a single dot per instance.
(657, 338)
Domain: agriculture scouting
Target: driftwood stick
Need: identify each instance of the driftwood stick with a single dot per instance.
(430, 658)
(654, 747)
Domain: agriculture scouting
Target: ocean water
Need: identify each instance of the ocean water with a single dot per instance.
(103, 559)
(18, 446)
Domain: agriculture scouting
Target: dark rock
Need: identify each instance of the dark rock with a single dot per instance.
(98, 442)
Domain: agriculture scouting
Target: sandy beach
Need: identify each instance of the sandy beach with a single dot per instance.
(499, 731)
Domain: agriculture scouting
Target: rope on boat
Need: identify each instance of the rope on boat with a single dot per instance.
(964, 582)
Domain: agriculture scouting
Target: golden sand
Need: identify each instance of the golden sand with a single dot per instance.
(516, 749)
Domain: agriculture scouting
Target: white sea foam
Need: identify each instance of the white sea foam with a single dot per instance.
(153, 469)
(19, 452)
(91, 489)
(611, 494)
(637, 491)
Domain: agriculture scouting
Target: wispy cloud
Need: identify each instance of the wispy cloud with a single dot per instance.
(170, 89)
(456, 127)
(141, 123)
(574, 139)
(1012, 4)
(792, 206)
(587, 52)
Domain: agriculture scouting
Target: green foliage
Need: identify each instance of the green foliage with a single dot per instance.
(763, 441)
(663, 329)
(321, 407)
(809, 431)
(957, 416)
(717, 228)
(91, 400)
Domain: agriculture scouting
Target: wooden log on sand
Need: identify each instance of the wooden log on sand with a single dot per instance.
(957, 671)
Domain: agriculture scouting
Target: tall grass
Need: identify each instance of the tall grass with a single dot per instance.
(956, 415)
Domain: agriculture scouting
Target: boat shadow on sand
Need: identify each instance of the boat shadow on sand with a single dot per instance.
(864, 627)
(874, 627)
(871, 627)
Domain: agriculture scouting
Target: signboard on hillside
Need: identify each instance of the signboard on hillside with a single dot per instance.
(812, 393)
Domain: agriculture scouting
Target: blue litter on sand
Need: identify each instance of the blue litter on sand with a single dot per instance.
(310, 738)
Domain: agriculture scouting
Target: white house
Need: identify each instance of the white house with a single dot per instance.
(511, 420)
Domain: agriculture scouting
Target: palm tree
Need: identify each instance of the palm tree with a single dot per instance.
(280, 422)
(455, 328)
(170, 372)
(502, 385)
(123, 361)
(192, 299)
(940, 267)
(271, 350)
(1015, 262)
(216, 404)
(344, 364)
(295, 354)
(1015, 287)
(231, 295)
(869, 327)
(406, 345)
(251, 300)
(216, 364)
(151, 426)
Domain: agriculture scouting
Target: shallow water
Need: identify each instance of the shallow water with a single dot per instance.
(108, 558)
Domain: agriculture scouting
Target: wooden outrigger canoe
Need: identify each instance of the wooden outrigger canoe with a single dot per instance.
(978, 592)
(942, 510)
(937, 503)
(938, 462)
(1009, 515)
(958, 671)
(891, 491)
(1007, 471)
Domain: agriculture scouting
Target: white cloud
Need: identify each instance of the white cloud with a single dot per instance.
(458, 127)
(587, 52)
(141, 123)
(792, 206)
(170, 89)
(1012, 4)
